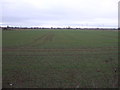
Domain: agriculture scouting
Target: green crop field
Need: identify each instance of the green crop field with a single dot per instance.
(60, 59)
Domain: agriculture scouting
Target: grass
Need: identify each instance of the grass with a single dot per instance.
(60, 59)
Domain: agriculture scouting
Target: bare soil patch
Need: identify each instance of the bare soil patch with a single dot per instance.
(58, 50)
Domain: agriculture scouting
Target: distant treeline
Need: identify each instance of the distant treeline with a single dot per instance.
(20, 28)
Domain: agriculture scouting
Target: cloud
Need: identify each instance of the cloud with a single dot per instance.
(60, 12)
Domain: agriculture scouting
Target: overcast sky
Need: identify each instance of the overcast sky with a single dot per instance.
(60, 13)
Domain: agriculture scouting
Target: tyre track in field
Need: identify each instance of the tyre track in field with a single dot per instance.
(41, 40)
(48, 37)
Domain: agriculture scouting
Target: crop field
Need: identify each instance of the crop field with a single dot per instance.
(60, 59)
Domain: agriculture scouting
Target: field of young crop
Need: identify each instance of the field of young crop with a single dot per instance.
(60, 59)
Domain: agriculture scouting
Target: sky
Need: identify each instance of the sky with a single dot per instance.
(59, 13)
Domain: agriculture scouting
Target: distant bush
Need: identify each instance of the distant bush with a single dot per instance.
(6, 28)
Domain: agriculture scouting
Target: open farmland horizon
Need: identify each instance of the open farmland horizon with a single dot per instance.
(66, 58)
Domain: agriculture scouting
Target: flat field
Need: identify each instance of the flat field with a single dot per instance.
(60, 59)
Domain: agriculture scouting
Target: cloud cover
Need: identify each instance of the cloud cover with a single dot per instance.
(60, 13)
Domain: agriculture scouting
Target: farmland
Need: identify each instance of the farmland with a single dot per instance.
(60, 59)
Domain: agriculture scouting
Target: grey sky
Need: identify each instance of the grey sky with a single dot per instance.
(60, 13)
